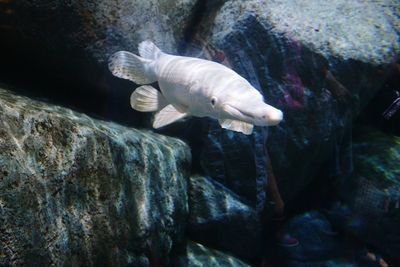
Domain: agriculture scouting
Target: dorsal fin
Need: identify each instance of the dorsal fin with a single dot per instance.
(129, 66)
(149, 50)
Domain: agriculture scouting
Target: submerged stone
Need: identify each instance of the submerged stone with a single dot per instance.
(320, 244)
(221, 219)
(76, 191)
(376, 159)
(100, 28)
(319, 62)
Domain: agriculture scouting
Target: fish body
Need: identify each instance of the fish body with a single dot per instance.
(192, 87)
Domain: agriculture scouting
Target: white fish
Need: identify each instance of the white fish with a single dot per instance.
(192, 87)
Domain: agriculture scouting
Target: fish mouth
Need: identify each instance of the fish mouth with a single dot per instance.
(263, 116)
(237, 113)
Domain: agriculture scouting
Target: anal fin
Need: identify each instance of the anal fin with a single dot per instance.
(237, 126)
(146, 99)
(168, 115)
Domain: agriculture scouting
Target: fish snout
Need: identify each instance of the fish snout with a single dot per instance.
(272, 117)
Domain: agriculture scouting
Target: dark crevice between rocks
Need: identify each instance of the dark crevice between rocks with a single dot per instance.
(386, 100)
(203, 14)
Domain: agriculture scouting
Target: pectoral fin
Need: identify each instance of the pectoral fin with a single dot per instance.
(168, 115)
(237, 126)
(146, 99)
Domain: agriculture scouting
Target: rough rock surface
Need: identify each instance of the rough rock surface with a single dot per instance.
(219, 218)
(333, 29)
(199, 256)
(75, 191)
(100, 28)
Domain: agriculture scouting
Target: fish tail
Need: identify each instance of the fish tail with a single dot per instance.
(129, 66)
(149, 50)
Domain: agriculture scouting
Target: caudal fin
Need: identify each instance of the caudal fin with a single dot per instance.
(149, 50)
(129, 66)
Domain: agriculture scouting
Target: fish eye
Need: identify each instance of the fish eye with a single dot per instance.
(213, 101)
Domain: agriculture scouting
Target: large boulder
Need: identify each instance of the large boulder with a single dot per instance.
(76, 191)
(99, 28)
(320, 62)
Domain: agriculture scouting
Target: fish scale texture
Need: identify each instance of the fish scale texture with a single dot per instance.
(76, 191)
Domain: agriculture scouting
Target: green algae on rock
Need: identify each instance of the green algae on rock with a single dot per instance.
(376, 172)
(76, 191)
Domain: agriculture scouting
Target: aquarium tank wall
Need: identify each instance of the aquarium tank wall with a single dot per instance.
(200, 133)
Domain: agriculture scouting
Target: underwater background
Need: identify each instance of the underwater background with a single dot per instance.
(86, 181)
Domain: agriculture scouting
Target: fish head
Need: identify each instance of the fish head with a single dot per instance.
(247, 106)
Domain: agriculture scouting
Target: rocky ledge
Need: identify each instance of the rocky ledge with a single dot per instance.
(76, 191)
